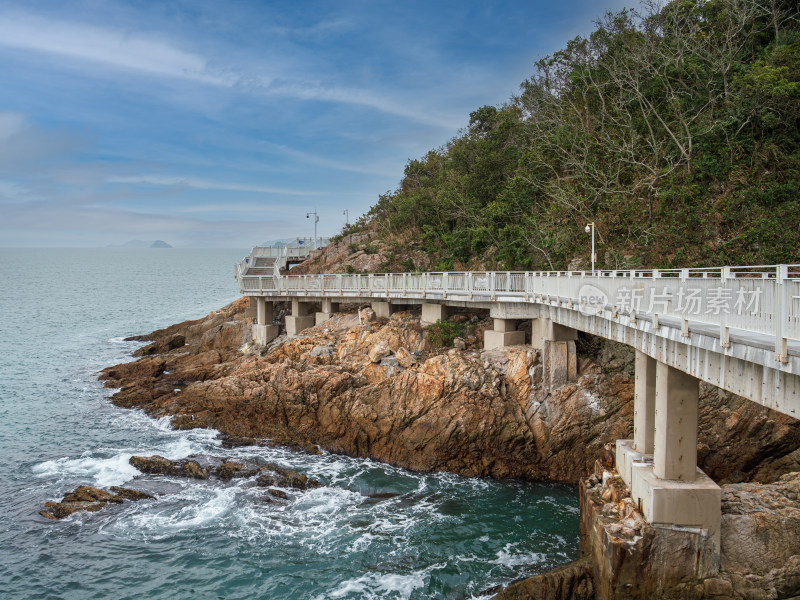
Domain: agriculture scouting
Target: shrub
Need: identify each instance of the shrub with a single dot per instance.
(442, 333)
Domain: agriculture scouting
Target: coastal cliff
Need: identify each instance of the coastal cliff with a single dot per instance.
(379, 388)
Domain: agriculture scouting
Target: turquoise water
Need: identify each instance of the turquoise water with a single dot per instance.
(372, 531)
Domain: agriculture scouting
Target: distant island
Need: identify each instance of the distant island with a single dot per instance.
(142, 244)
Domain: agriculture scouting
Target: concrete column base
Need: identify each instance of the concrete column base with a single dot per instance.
(321, 317)
(383, 310)
(627, 457)
(264, 334)
(695, 504)
(500, 339)
(295, 325)
(432, 313)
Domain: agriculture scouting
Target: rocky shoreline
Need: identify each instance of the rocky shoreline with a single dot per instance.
(379, 388)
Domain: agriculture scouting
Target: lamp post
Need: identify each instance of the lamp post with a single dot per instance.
(316, 220)
(590, 229)
(346, 214)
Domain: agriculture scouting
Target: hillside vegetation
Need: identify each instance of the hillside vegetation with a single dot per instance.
(675, 128)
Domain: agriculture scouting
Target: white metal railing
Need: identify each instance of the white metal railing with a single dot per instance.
(758, 299)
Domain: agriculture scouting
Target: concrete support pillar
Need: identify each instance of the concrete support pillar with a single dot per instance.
(383, 310)
(544, 330)
(433, 312)
(639, 450)
(504, 334)
(644, 404)
(675, 445)
(328, 308)
(300, 308)
(263, 330)
(667, 485)
(300, 318)
(264, 311)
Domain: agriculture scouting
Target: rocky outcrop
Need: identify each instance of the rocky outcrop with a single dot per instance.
(163, 466)
(205, 467)
(569, 582)
(89, 499)
(380, 389)
(624, 557)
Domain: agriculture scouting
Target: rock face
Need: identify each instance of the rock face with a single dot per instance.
(630, 558)
(90, 499)
(379, 389)
(570, 582)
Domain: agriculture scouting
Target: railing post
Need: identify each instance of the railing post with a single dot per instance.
(782, 313)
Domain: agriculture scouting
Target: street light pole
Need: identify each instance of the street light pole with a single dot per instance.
(590, 227)
(346, 214)
(316, 220)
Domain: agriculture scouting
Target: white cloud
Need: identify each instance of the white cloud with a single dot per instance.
(108, 46)
(149, 55)
(204, 184)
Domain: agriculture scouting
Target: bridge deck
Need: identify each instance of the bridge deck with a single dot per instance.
(717, 324)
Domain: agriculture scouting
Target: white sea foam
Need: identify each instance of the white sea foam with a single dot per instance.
(196, 508)
(507, 557)
(377, 585)
(104, 472)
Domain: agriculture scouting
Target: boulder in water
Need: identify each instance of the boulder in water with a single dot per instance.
(89, 499)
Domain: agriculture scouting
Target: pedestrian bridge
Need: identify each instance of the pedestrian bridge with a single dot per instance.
(737, 328)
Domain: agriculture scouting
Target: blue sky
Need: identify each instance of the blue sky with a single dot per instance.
(223, 123)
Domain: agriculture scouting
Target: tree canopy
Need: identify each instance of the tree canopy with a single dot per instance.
(675, 128)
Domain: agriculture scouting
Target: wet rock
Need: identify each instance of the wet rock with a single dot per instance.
(89, 499)
(229, 469)
(274, 475)
(158, 465)
(162, 346)
(237, 441)
(278, 494)
(570, 582)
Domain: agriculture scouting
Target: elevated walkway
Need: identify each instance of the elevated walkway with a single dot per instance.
(737, 328)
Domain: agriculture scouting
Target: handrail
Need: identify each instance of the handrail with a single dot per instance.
(761, 299)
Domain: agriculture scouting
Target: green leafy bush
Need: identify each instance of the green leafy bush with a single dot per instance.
(442, 333)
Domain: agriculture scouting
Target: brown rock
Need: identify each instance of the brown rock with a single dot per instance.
(163, 466)
(405, 358)
(378, 351)
(450, 412)
(570, 582)
(88, 499)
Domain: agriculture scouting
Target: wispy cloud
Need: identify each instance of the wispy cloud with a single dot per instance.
(321, 161)
(205, 184)
(111, 47)
(149, 55)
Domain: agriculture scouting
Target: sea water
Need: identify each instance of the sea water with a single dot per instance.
(372, 530)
